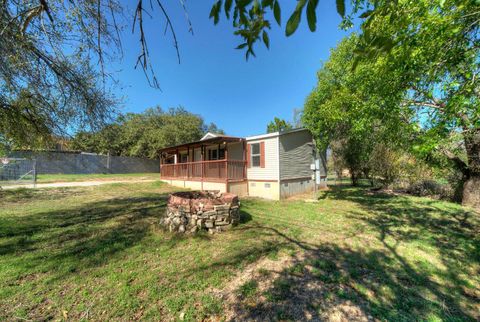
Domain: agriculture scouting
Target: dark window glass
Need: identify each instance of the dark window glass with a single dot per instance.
(255, 154)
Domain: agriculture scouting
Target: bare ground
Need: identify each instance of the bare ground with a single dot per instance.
(286, 290)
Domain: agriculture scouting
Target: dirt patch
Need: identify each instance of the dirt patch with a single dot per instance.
(289, 288)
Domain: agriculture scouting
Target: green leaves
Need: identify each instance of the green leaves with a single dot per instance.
(215, 11)
(266, 40)
(241, 46)
(277, 13)
(341, 7)
(294, 20)
(228, 7)
(311, 14)
(366, 14)
(292, 23)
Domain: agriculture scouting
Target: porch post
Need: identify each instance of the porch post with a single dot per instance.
(218, 158)
(226, 162)
(202, 152)
(175, 161)
(244, 159)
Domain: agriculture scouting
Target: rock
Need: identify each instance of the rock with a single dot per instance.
(209, 213)
(221, 207)
(209, 224)
(190, 211)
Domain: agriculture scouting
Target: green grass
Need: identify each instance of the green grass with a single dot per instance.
(248, 289)
(49, 178)
(98, 253)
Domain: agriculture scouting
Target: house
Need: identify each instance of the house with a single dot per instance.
(273, 166)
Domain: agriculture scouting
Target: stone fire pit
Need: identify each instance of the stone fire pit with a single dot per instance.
(191, 211)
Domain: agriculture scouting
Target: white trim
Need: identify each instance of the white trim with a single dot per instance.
(262, 136)
(209, 135)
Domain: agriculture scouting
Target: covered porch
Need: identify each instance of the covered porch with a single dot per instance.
(214, 159)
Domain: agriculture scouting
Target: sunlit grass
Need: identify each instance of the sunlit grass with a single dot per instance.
(99, 253)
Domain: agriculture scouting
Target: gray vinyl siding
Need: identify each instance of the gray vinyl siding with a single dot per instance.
(296, 154)
(290, 188)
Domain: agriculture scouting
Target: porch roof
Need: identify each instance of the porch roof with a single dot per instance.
(215, 140)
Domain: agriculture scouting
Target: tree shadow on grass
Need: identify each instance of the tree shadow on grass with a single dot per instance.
(79, 237)
(366, 283)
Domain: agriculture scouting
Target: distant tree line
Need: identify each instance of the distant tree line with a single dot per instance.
(144, 134)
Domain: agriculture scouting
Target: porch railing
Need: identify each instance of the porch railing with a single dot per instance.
(217, 170)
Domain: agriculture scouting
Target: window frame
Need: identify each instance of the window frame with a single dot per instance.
(252, 155)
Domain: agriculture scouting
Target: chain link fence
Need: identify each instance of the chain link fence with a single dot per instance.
(15, 171)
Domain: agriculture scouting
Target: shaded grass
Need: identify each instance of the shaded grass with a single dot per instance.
(98, 253)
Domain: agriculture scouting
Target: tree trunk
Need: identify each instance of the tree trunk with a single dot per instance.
(471, 187)
(354, 178)
(471, 192)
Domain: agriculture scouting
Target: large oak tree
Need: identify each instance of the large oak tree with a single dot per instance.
(422, 67)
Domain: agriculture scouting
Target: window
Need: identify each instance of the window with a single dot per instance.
(183, 158)
(267, 185)
(213, 154)
(221, 154)
(255, 154)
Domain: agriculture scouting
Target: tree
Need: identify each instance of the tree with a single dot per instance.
(49, 51)
(212, 128)
(297, 118)
(420, 67)
(278, 125)
(434, 48)
(344, 113)
(144, 134)
(47, 79)
(55, 54)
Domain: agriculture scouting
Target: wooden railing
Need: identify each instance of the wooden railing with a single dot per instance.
(217, 170)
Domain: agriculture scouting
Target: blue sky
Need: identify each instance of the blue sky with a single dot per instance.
(215, 81)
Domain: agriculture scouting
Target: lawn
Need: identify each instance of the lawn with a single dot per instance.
(49, 178)
(98, 253)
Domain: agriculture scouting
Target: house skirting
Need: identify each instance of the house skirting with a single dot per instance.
(268, 189)
(237, 187)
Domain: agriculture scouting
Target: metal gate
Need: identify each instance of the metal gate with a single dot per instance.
(14, 171)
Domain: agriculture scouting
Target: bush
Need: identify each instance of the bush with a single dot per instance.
(431, 188)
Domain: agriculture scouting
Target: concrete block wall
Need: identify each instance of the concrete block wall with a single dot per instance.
(53, 162)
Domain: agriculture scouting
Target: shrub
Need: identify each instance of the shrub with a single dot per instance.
(431, 188)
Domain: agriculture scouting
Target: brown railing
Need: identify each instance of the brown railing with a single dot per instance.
(221, 170)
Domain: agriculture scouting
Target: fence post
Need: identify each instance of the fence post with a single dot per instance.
(108, 161)
(34, 173)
